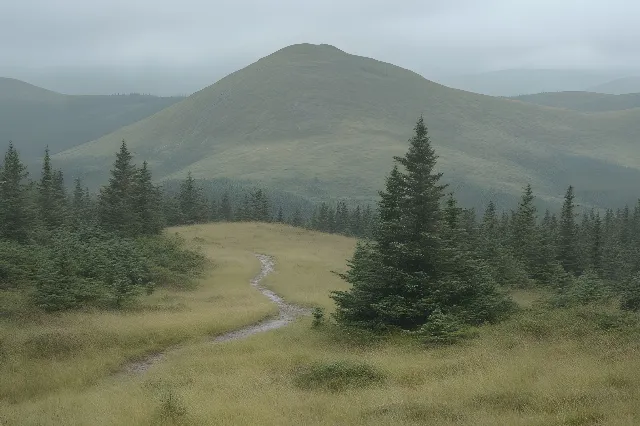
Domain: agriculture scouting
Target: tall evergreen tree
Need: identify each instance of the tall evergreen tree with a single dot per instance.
(116, 210)
(523, 232)
(567, 238)
(15, 214)
(147, 202)
(191, 200)
(404, 274)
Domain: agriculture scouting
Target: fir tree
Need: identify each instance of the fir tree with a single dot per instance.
(191, 201)
(226, 212)
(523, 232)
(116, 201)
(405, 273)
(567, 238)
(147, 202)
(15, 214)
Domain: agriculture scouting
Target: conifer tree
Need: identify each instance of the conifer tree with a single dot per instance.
(226, 212)
(280, 217)
(567, 238)
(596, 254)
(15, 214)
(191, 201)
(405, 273)
(296, 219)
(117, 212)
(147, 202)
(523, 232)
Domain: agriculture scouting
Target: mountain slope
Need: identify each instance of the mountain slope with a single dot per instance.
(515, 82)
(34, 117)
(583, 101)
(319, 122)
(618, 86)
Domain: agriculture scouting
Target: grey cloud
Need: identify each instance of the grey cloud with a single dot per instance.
(428, 36)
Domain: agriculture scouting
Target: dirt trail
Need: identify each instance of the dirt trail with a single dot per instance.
(287, 314)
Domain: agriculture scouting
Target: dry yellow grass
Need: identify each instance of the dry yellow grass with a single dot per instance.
(539, 368)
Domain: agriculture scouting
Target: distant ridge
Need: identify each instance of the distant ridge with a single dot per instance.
(33, 117)
(319, 122)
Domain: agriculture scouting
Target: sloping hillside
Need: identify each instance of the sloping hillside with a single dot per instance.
(320, 122)
(34, 117)
(618, 86)
(584, 101)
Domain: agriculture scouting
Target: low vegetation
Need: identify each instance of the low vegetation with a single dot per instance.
(543, 365)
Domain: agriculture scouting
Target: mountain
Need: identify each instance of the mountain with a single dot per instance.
(319, 122)
(583, 101)
(515, 82)
(619, 86)
(33, 117)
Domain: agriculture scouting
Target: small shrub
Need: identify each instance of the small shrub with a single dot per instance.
(630, 297)
(443, 329)
(318, 317)
(583, 290)
(172, 409)
(337, 376)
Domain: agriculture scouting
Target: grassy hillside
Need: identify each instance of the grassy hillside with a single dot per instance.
(583, 101)
(618, 86)
(320, 122)
(541, 367)
(34, 117)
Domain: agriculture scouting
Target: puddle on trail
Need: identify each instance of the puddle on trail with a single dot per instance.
(287, 313)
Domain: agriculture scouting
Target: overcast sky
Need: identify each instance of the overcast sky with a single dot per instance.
(203, 40)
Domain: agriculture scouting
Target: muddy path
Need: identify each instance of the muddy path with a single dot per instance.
(287, 313)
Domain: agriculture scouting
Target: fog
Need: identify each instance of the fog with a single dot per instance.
(167, 47)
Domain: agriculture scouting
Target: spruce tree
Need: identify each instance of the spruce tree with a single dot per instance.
(280, 217)
(191, 201)
(116, 209)
(296, 219)
(404, 274)
(226, 212)
(147, 202)
(15, 214)
(596, 253)
(523, 232)
(567, 238)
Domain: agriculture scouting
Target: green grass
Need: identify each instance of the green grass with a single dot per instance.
(541, 367)
(34, 117)
(309, 117)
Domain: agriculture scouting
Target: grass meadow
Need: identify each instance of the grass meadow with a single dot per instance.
(542, 367)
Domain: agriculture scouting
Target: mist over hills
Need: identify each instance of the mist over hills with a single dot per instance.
(584, 101)
(517, 82)
(319, 122)
(33, 117)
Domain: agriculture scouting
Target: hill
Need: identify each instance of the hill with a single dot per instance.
(515, 82)
(34, 117)
(583, 101)
(319, 122)
(619, 86)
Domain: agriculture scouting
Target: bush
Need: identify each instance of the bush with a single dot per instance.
(630, 297)
(318, 317)
(443, 329)
(583, 290)
(337, 376)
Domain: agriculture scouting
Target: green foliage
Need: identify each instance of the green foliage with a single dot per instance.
(583, 290)
(15, 212)
(630, 298)
(421, 258)
(318, 317)
(337, 376)
(443, 329)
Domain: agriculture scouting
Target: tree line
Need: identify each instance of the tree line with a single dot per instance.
(75, 250)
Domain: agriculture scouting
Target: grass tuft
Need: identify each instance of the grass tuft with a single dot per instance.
(337, 376)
